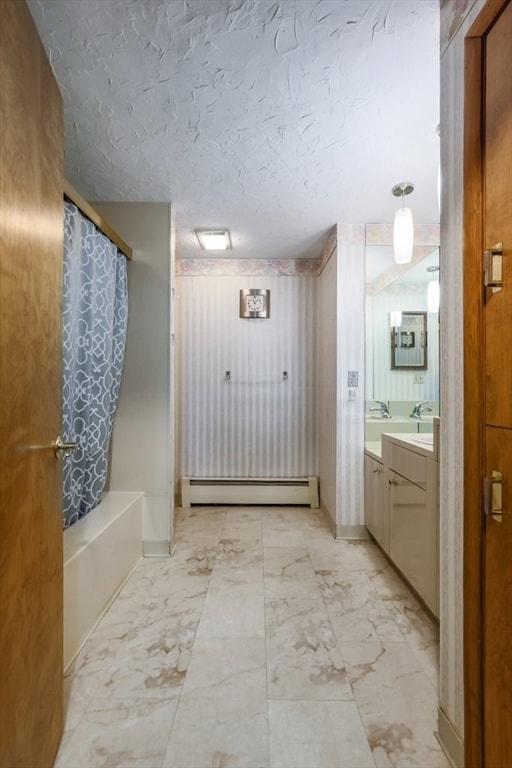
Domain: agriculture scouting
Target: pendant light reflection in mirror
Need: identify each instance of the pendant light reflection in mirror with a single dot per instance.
(403, 227)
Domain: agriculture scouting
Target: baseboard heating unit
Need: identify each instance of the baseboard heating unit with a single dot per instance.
(292, 491)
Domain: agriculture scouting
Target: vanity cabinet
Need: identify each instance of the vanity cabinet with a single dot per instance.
(412, 479)
(402, 509)
(375, 512)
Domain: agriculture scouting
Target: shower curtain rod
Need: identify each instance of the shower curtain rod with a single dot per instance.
(96, 218)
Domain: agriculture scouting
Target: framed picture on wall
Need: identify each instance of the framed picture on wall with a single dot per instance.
(409, 342)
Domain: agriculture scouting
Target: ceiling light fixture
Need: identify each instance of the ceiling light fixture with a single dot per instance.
(433, 292)
(214, 239)
(403, 228)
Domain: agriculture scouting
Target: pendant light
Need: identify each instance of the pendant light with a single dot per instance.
(433, 292)
(403, 228)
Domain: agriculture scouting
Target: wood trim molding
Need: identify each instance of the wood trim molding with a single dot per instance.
(473, 401)
(92, 214)
(486, 17)
(474, 384)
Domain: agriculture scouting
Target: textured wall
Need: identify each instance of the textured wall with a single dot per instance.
(141, 445)
(257, 424)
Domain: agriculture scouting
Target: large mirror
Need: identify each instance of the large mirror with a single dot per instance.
(402, 335)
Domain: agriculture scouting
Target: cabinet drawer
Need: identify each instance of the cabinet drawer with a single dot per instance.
(408, 464)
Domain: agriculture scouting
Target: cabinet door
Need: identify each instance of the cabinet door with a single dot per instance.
(373, 501)
(413, 537)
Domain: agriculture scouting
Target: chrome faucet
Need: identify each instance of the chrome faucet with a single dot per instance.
(382, 408)
(419, 409)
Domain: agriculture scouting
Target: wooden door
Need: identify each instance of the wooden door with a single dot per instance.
(31, 231)
(497, 556)
(487, 389)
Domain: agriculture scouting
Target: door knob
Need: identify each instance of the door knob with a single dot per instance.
(64, 449)
(59, 447)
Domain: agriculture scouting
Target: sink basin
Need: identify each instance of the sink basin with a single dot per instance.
(427, 439)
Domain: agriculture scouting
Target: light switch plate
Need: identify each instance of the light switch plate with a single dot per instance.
(353, 377)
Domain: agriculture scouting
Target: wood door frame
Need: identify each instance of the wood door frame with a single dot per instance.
(474, 389)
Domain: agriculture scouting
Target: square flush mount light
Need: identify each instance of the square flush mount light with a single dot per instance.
(214, 239)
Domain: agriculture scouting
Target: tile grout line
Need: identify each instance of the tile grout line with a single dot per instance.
(193, 642)
(265, 637)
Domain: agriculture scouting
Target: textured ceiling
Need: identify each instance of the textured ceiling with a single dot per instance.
(274, 118)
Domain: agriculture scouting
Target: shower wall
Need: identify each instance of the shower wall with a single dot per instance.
(142, 445)
(257, 424)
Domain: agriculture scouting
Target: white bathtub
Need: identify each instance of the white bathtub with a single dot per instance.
(100, 551)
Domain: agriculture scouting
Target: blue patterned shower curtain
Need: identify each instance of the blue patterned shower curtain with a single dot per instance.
(95, 309)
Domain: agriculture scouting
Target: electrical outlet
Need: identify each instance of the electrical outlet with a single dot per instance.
(418, 378)
(352, 379)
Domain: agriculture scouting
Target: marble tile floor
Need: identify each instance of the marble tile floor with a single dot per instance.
(261, 643)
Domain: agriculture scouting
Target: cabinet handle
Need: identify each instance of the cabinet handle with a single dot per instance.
(393, 482)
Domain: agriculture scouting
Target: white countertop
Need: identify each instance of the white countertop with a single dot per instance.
(420, 443)
(374, 449)
(425, 443)
(412, 442)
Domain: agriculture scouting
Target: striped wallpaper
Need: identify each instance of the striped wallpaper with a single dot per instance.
(256, 424)
(351, 335)
(327, 367)
(341, 332)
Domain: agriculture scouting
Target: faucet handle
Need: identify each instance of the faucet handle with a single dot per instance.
(383, 408)
(418, 410)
